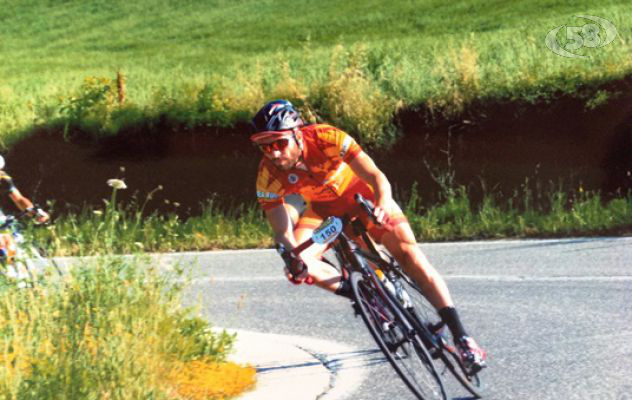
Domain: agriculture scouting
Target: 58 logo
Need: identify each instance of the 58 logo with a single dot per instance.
(588, 35)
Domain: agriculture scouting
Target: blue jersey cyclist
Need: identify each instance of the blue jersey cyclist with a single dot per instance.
(326, 167)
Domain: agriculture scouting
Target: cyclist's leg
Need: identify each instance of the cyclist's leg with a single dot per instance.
(324, 274)
(400, 242)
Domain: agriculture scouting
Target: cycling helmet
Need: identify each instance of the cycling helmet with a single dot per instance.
(276, 119)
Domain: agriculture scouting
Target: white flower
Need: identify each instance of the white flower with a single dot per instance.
(117, 184)
(97, 212)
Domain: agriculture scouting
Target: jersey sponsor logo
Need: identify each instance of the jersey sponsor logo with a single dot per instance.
(345, 146)
(292, 178)
(267, 195)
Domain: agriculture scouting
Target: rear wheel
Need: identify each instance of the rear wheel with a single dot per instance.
(403, 350)
(427, 316)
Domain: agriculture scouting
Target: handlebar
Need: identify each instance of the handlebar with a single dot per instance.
(333, 223)
(328, 231)
(10, 219)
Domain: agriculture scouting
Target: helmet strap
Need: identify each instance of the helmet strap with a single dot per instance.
(298, 142)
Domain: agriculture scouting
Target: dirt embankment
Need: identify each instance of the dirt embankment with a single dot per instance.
(501, 144)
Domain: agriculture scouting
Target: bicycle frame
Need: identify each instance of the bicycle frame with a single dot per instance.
(351, 255)
(347, 248)
(352, 258)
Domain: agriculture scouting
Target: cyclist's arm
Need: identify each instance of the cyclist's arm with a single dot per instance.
(21, 202)
(8, 187)
(24, 204)
(281, 224)
(363, 166)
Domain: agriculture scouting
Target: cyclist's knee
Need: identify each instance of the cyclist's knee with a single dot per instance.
(408, 254)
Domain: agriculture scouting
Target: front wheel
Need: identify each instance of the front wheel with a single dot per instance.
(403, 349)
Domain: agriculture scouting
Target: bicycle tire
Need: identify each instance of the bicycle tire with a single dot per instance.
(378, 315)
(427, 316)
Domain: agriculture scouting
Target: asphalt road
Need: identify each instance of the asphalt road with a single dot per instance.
(555, 316)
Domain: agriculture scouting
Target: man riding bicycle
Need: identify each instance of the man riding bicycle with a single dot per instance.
(326, 167)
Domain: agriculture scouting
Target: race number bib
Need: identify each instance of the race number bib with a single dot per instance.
(328, 231)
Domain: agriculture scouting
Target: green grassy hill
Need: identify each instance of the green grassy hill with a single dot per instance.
(214, 62)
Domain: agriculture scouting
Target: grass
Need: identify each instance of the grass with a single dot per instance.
(556, 214)
(200, 63)
(527, 213)
(86, 233)
(110, 329)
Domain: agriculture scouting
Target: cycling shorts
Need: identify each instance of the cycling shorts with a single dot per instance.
(316, 212)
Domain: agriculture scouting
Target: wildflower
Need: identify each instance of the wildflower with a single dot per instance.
(97, 212)
(116, 184)
(176, 204)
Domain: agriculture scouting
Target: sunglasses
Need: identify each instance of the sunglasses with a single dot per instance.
(277, 145)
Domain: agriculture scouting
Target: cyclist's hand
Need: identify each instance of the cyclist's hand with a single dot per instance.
(41, 216)
(380, 215)
(297, 272)
(295, 268)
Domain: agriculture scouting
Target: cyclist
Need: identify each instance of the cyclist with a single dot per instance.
(23, 203)
(326, 167)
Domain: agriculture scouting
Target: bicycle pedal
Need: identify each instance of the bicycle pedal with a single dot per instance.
(435, 353)
(475, 369)
(394, 346)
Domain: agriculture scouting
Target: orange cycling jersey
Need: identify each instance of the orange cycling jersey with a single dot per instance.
(327, 152)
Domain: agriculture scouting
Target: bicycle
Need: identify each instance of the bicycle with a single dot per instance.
(17, 257)
(404, 325)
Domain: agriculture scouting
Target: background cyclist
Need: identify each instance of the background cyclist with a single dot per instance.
(22, 202)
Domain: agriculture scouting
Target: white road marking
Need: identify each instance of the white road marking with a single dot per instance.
(492, 278)
(515, 278)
